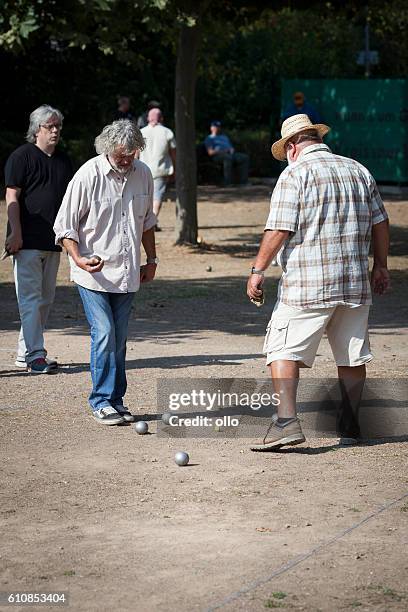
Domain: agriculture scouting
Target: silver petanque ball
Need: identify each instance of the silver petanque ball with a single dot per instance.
(181, 458)
(166, 418)
(141, 427)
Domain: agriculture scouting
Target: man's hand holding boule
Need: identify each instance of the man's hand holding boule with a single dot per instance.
(271, 243)
(90, 264)
(254, 286)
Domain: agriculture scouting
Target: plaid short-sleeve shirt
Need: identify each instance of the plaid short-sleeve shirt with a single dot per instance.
(330, 203)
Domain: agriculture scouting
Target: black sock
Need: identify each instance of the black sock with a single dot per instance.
(282, 422)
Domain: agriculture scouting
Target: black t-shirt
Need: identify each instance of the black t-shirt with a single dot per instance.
(43, 180)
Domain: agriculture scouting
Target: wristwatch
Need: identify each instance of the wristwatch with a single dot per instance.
(152, 260)
(255, 271)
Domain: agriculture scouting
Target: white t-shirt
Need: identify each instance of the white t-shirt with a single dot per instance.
(159, 141)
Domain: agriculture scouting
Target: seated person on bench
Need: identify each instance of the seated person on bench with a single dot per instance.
(220, 149)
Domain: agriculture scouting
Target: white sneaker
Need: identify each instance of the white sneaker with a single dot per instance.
(107, 416)
(20, 364)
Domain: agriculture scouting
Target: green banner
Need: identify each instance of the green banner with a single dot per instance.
(368, 120)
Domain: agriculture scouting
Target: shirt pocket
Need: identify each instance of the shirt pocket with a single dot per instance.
(276, 335)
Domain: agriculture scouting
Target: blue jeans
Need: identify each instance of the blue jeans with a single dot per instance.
(108, 317)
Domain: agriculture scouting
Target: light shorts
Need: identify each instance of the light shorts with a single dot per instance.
(159, 188)
(294, 334)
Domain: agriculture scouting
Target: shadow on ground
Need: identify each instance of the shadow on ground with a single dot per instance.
(172, 309)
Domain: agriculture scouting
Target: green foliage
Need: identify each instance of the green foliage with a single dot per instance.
(279, 595)
(272, 603)
(18, 21)
(389, 23)
(276, 602)
(80, 54)
(257, 143)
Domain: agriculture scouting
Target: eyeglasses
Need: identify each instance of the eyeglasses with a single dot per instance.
(51, 126)
(119, 157)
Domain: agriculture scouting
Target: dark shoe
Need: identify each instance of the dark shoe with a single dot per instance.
(157, 228)
(108, 416)
(277, 436)
(40, 366)
(124, 412)
(21, 363)
(349, 441)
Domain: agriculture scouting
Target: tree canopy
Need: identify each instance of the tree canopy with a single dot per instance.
(80, 54)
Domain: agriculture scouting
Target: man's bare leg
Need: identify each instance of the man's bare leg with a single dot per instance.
(285, 380)
(352, 373)
(351, 380)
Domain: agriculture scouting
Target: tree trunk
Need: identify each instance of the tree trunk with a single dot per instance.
(186, 164)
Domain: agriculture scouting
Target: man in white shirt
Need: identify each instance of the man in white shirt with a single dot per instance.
(105, 216)
(160, 155)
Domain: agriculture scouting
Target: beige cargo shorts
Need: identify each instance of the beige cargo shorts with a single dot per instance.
(294, 334)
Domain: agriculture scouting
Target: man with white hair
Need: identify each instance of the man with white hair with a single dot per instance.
(37, 175)
(159, 154)
(106, 214)
(325, 210)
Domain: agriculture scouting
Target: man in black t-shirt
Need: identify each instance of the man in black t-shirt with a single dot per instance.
(124, 110)
(36, 177)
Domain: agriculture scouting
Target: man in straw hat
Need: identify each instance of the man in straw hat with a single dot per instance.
(325, 209)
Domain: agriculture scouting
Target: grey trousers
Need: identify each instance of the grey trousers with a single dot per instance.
(35, 277)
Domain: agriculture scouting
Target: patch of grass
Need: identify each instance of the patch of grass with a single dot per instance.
(69, 573)
(356, 604)
(276, 602)
(404, 508)
(391, 593)
(272, 603)
(354, 510)
(388, 592)
(279, 595)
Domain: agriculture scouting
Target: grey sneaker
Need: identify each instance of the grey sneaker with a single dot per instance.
(124, 412)
(108, 416)
(40, 366)
(277, 436)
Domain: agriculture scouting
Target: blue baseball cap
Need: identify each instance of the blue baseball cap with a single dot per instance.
(216, 122)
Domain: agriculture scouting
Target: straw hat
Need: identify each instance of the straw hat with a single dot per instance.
(294, 125)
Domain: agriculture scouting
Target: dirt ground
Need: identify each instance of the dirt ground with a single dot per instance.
(107, 516)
